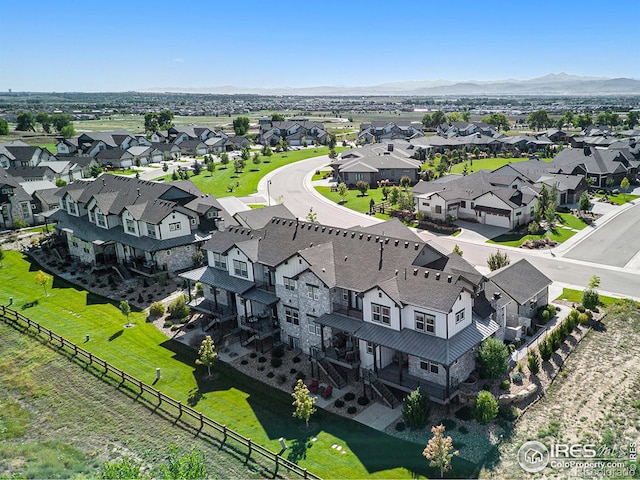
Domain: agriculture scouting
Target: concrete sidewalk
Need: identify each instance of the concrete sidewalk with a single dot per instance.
(378, 416)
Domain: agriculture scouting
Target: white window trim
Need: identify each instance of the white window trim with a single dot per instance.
(460, 316)
(377, 311)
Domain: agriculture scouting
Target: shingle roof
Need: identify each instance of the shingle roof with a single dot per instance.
(520, 280)
(218, 278)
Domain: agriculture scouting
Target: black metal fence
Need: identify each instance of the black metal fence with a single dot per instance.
(177, 408)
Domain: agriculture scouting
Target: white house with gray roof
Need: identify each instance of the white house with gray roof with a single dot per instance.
(396, 310)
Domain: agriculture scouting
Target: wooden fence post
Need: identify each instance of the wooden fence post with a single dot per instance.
(224, 432)
(179, 409)
(201, 421)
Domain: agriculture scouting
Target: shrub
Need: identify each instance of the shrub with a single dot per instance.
(448, 424)
(581, 308)
(533, 362)
(253, 354)
(278, 350)
(517, 378)
(300, 376)
(271, 375)
(261, 368)
(349, 396)
(297, 359)
(590, 298)
(545, 349)
(555, 340)
(533, 228)
(244, 361)
(276, 362)
(505, 385)
(416, 409)
(363, 401)
(583, 319)
(168, 324)
(463, 429)
(493, 358)
(351, 410)
(175, 328)
(262, 359)
(572, 318)
(464, 413)
(140, 299)
(400, 426)
(292, 371)
(508, 412)
(486, 407)
(157, 309)
(178, 308)
(282, 378)
(545, 316)
(338, 403)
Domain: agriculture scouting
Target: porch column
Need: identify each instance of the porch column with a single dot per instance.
(189, 288)
(215, 297)
(400, 362)
(375, 359)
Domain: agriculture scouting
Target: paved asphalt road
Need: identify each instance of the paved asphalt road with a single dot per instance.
(592, 257)
(616, 244)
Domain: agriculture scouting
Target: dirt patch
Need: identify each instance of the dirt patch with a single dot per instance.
(594, 399)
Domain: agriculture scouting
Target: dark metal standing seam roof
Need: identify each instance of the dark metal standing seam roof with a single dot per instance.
(260, 296)
(218, 278)
(415, 343)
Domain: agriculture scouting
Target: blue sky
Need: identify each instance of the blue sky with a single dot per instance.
(115, 45)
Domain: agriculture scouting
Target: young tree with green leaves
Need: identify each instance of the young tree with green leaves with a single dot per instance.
(25, 122)
(44, 119)
(207, 354)
(256, 159)
(498, 260)
(439, 450)
(266, 151)
(125, 308)
(343, 191)
(312, 216)
(362, 187)
(416, 409)
(68, 131)
(42, 279)
(493, 358)
(211, 167)
(127, 468)
(405, 182)
(224, 159)
(625, 185)
(165, 119)
(303, 402)
(61, 120)
(277, 117)
(4, 127)
(241, 125)
(584, 203)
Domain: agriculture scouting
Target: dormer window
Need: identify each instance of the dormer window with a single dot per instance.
(72, 208)
(100, 220)
(91, 219)
(212, 214)
(151, 230)
(131, 226)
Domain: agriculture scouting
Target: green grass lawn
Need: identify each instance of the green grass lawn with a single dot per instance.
(49, 146)
(354, 200)
(575, 296)
(620, 198)
(244, 404)
(559, 234)
(217, 183)
(125, 171)
(488, 164)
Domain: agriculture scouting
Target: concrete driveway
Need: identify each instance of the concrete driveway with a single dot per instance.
(477, 232)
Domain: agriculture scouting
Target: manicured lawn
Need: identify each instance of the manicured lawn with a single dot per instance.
(620, 198)
(50, 146)
(354, 200)
(246, 183)
(125, 171)
(575, 296)
(473, 165)
(559, 234)
(244, 404)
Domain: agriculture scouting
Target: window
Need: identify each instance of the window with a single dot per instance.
(212, 214)
(294, 342)
(74, 241)
(463, 204)
(370, 348)
(72, 208)
(380, 314)
(240, 269)
(175, 226)
(151, 230)
(85, 247)
(313, 292)
(91, 219)
(131, 226)
(314, 328)
(219, 261)
(429, 366)
(289, 284)
(438, 209)
(292, 315)
(425, 322)
(26, 210)
(100, 220)
(193, 221)
(460, 316)
(345, 294)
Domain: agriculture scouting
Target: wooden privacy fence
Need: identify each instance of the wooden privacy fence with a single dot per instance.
(11, 316)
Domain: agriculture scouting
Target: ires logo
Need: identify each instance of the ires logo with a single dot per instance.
(534, 456)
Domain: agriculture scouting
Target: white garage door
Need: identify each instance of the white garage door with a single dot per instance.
(497, 220)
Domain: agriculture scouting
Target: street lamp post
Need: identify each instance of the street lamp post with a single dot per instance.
(268, 193)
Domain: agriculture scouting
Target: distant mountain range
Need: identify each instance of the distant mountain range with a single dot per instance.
(552, 84)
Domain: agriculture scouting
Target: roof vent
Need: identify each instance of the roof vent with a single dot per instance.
(337, 231)
(330, 230)
(377, 239)
(353, 234)
(345, 258)
(361, 235)
(386, 241)
(415, 272)
(396, 272)
(449, 279)
(426, 274)
(396, 242)
(317, 227)
(437, 276)
(368, 237)
(416, 246)
(324, 228)
(406, 244)
(496, 295)
(344, 234)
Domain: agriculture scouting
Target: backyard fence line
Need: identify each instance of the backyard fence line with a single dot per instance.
(12, 316)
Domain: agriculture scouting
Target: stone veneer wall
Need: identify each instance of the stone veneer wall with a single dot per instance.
(181, 257)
